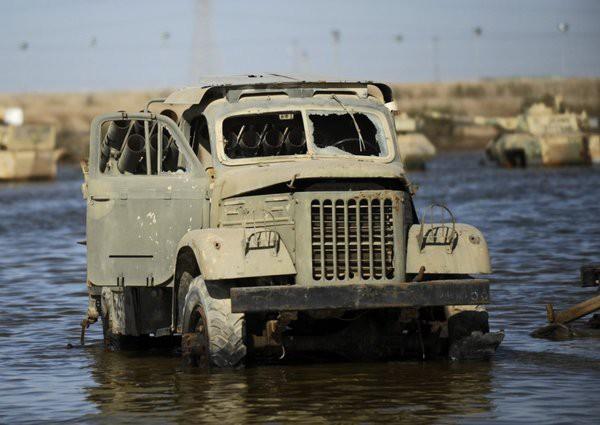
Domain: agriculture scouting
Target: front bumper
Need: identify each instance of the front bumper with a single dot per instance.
(359, 296)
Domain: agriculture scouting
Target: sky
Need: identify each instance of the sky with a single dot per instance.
(90, 45)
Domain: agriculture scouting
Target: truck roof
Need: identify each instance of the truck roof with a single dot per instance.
(233, 87)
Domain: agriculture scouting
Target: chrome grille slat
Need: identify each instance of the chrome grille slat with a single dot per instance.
(352, 239)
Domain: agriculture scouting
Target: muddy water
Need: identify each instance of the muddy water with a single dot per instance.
(541, 226)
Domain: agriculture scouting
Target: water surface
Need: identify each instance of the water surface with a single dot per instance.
(541, 225)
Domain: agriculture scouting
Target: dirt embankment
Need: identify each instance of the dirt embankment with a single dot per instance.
(73, 112)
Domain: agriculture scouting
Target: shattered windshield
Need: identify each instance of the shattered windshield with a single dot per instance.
(336, 133)
(339, 132)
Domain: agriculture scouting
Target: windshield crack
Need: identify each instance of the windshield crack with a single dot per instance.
(361, 142)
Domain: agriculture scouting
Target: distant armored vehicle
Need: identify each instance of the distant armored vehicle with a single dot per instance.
(27, 151)
(542, 135)
(594, 139)
(414, 147)
(273, 216)
(595, 148)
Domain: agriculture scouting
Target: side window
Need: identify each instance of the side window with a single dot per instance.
(123, 148)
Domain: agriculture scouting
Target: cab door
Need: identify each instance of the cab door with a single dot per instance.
(136, 218)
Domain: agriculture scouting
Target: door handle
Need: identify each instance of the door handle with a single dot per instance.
(99, 198)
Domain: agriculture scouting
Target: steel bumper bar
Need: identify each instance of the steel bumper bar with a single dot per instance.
(358, 296)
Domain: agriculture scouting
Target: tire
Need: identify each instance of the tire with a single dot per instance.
(213, 336)
(470, 337)
(463, 324)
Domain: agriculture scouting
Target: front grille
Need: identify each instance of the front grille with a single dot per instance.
(352, 239)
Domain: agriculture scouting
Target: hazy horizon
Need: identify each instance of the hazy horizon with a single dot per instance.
(66, 45)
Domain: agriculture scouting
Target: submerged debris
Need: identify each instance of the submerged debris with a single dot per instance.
(558, 328)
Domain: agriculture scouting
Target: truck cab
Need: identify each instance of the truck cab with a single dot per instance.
(265, 215)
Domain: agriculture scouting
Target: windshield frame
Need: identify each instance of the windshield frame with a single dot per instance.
(305, 109)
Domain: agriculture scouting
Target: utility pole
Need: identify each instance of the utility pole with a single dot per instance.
(478, 31)
(336, 36)
(563, 28)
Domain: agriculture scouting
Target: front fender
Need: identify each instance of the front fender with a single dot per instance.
(467, 253)
(238, 253)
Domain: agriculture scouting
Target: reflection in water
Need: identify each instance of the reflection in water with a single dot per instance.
(133, 383)
(541, 225)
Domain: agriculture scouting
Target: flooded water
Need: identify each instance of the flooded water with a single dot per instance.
(541, 225)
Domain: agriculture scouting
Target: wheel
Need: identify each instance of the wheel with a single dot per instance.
(470, 337)
(213, 336)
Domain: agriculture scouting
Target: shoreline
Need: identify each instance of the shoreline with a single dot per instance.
(72, 113)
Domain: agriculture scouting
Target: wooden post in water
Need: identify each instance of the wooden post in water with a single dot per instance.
(573, 313)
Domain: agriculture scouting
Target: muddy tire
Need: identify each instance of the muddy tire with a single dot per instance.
(463, 324)
(470, 337)
(213, 336)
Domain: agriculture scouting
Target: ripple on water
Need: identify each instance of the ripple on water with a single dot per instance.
(541, 225)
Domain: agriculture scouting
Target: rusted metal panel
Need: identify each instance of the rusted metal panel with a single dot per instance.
(357, 296)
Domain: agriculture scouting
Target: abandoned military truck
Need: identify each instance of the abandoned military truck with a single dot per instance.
(269, 216)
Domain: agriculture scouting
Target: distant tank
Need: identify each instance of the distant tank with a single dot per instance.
(415, 148)
(540, 136)
(594, 140)
(27, 151)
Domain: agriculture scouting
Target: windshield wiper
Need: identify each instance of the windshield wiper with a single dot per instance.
(361, 142)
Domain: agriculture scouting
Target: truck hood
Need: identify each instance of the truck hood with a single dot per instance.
(233, 181)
